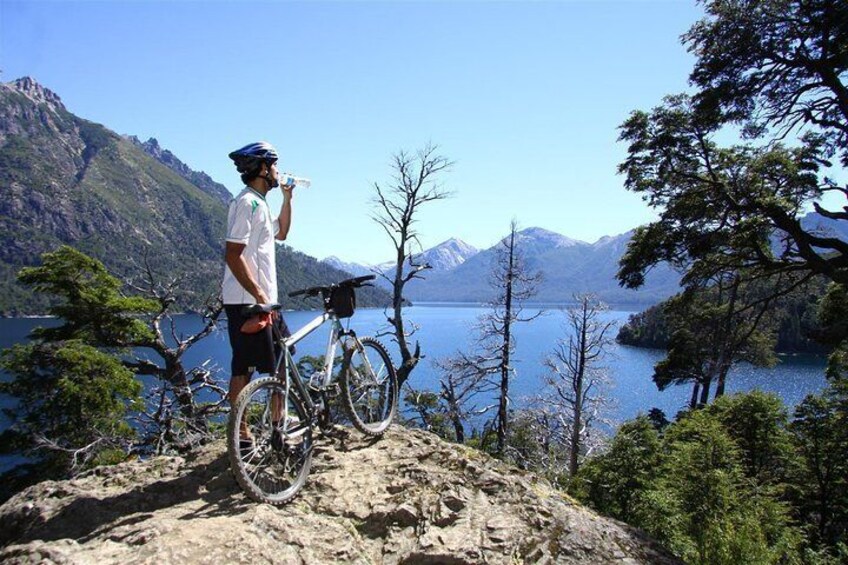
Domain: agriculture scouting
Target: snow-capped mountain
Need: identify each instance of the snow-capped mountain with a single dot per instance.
(354, 269)
(568, 266)
(443, 257)
(448, 255)
(461, 273)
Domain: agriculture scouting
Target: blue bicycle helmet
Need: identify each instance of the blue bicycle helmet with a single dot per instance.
(252, 155)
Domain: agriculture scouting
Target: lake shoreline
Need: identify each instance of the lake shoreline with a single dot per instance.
(445, 329)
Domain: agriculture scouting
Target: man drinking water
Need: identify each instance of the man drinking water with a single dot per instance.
(250, 275)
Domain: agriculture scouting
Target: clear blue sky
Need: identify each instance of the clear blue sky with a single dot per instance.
(525, 97)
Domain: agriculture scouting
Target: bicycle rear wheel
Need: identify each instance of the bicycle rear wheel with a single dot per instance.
(269, 444)
(369, 386)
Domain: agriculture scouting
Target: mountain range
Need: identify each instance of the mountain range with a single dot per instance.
(66, 180)
(443, 257)
(461, 273)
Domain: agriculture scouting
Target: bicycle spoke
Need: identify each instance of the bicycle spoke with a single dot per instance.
(253, 453)
(370, 387)
(265, 473)
(259, 467)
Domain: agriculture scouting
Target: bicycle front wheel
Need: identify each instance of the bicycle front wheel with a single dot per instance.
(369, 386)
(269, 441)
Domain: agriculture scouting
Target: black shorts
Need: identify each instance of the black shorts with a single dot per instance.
(252, 352)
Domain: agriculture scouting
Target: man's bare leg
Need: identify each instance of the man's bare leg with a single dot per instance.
(237, 383)
(276, 408)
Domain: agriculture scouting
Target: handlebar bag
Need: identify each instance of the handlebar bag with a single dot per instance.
(343, 301)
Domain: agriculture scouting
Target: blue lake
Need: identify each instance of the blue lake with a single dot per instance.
(443, 329)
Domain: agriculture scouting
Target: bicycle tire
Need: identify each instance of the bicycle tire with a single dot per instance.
(369, 414)
(263, 470)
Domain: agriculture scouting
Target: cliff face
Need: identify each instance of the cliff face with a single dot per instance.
(407, 498)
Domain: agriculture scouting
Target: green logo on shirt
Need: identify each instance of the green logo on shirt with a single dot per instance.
(253, 205)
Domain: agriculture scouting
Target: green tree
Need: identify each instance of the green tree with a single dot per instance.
(707, 487)
(775, 67)
(427, 410)
(94, 309)
(757, 422)
(723, 517)
(820, 434)
(719, 207)
(71, 408)
(833, 330)
(616, 482)
(797, 315)
(648, 328)
(91, 308)
(774, 64)
(712, 330)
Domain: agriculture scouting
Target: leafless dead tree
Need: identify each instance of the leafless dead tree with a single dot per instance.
(463, 385)
(82, 455)
(174, 417)
(576, 381)
(414, 184)
(486, 372)
(539, 440)
(514, 285)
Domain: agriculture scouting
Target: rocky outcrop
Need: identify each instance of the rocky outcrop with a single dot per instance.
(406, 498)
(37, 93)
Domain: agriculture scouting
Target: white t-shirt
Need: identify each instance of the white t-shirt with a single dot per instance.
(249, 222)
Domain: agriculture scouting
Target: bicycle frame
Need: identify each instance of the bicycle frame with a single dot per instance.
(337, 331)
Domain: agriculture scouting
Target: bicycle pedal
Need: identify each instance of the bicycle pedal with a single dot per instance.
(330, 390)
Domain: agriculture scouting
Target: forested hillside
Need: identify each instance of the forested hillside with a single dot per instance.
(795, 330)
(66, 180)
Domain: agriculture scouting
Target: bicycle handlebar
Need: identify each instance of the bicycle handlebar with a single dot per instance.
(355, 282)
(311, 291)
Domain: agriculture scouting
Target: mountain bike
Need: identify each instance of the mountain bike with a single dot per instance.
(270, 430)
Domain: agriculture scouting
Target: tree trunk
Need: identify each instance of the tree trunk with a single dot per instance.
(723, 364)
(693, 402)
(720, 384)
(175, 376)
(454, 411)
(503, 413)
(705, 392)
(578, 395)
(408, 360)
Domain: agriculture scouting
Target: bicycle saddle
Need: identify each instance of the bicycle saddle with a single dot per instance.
(254, 309)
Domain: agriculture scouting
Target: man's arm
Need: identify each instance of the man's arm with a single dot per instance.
(237, 264)
(284, 220)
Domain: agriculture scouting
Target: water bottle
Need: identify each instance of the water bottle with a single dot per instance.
(290, 179)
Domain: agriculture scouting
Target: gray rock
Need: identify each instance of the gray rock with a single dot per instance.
(365, 502)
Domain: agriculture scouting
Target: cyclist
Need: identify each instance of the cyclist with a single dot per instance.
(250, 275)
